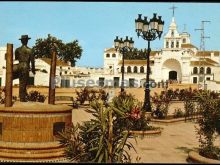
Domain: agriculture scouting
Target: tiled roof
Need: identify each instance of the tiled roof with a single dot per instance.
(153, 53)
(207, 53)
(197, 63)
(211, 61)
(59, 62)
(207, 61)
(188, 46)
(110, 50)
(134, 62)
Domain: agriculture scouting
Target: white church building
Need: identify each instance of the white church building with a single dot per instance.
(178, 61)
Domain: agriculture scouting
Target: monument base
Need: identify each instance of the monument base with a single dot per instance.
(28, 131)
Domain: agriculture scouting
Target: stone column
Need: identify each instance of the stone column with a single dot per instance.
(52, 85)
(9, 75)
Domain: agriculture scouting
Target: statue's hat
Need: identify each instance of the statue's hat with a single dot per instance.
(24, 37)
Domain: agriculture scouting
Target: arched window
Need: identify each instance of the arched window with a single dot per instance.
(172, 44)
(184, 40)
(150, 71)
(172, 33)
(195, 70)
(177, 44)
(201, 70)
(121, 68)
(208, 70)
(107, 55)
(114, 55)
(128, 69)
(167, 44)
(142, 69)
(135, 69)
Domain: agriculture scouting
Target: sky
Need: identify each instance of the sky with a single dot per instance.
(96, 24)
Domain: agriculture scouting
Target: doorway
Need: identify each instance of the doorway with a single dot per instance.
(172, 75)
(101, 81)
(131, 82)
(116, 81)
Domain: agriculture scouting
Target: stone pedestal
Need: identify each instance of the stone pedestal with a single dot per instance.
(28, 131)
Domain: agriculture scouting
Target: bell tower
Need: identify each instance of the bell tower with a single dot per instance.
(173, 39)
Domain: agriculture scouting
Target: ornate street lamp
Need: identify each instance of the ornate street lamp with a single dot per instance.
(123, 47)
(148, 30)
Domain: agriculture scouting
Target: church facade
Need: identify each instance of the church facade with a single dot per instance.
(178, 61)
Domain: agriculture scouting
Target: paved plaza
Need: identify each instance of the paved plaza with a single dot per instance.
(172, 146)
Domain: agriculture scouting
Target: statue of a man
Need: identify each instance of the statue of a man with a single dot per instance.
(21, 70)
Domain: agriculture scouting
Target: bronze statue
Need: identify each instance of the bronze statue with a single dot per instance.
(21, 70)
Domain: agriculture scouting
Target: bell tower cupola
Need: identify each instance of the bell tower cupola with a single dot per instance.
(172, 39)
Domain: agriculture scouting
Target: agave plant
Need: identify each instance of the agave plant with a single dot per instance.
(71, 140)
(97, 140)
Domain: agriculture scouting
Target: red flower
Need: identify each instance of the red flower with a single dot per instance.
(135, 113)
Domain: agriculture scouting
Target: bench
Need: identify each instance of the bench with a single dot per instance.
(64, 100)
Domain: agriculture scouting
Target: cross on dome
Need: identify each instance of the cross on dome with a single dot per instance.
(173, 8)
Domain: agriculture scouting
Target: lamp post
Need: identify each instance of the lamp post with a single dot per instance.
(148, 30)
(123, 47)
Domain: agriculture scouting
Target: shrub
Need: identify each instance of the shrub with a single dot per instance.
(178, 113)
(2, 96)
(190, 109)
(35, 96)
(82, 95)
(171, 94)
(208, 124)
(133, 113)
(90, 95)
(75, 104)
(161, 104)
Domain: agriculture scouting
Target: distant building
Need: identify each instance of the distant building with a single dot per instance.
(178, 61)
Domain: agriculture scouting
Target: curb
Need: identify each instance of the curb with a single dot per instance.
(146, 133)
(171, 121)
(195, 157)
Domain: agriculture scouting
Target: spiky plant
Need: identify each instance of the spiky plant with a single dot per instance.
(97, 140)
